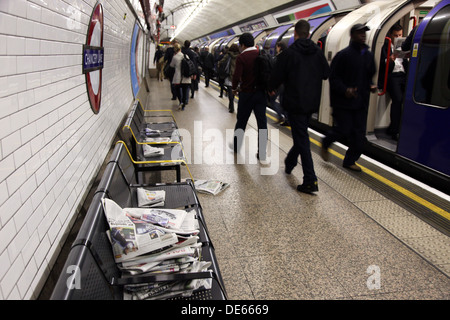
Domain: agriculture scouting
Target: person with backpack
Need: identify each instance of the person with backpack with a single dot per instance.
(226, 70)
(180, 81)
(193, 73)
(277, 99)
(251, 96)
(301, 68)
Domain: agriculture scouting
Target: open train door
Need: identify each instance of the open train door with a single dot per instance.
(405, 13)
(339, 38)
(425, 128)
(378, 16)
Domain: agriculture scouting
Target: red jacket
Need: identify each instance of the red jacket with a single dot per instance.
(243, 73)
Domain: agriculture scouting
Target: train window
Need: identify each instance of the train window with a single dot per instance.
(432, 83)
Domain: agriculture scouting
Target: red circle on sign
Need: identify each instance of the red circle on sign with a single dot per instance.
(95, 38)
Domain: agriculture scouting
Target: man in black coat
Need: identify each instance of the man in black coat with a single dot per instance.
(301, 69)
(351, 75)
(187, 50)
(207, 60)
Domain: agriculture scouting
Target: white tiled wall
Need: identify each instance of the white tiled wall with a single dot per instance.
(51, 143)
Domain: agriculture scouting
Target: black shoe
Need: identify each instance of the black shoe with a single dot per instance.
(308, 188)
(230, 110)
(174, 98)
(288, 169)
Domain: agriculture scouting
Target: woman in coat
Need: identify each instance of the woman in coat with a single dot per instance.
(181, 83)
(232, 54)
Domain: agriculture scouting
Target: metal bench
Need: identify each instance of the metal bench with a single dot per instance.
(90, 271)
(137, 139)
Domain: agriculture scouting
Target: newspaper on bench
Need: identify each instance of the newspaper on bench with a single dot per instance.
(137, 231)
(150, 198)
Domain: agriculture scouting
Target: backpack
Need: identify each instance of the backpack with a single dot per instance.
(187, 67)
(262, 69)
(224, 68)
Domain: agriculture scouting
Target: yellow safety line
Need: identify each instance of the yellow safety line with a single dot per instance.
(393, 185)
(155, 161)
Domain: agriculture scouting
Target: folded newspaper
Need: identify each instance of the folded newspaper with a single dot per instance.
(152, 133)
(158, 140)
(150, 151)
(150, 198)
(210, 186)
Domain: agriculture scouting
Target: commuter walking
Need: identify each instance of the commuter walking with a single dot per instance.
(159, 61)
(207, 60)
(220, 76)
(277, 98)
(228, 64)
(169, 71)
(251, 98)
(193, 56)
(351, 75)
(196, 81)
(180, 82)
(301, 68)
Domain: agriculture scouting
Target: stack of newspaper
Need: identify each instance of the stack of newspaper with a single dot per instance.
(150, 151)
(152, 241)
(212, 186)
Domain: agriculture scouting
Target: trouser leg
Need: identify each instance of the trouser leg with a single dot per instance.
(299, 125)
(396, 87)
(243, 114)
(356, 137)
(260, 102)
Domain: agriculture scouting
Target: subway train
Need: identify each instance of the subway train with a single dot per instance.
(422, 148)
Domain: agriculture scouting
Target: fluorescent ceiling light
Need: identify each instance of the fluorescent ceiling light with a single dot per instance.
(201, 4)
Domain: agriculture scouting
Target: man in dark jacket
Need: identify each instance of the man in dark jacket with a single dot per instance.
(301, 69)
(187, 50)
(351, 75)
(207, 60)
(170, 71)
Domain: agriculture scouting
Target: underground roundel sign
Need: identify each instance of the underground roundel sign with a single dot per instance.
(93, 54)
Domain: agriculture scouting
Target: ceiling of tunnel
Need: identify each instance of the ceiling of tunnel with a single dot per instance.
(196, 18)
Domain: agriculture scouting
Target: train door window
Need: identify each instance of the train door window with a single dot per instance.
(432, 83)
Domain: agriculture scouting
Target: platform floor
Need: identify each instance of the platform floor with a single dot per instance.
(348, 241)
